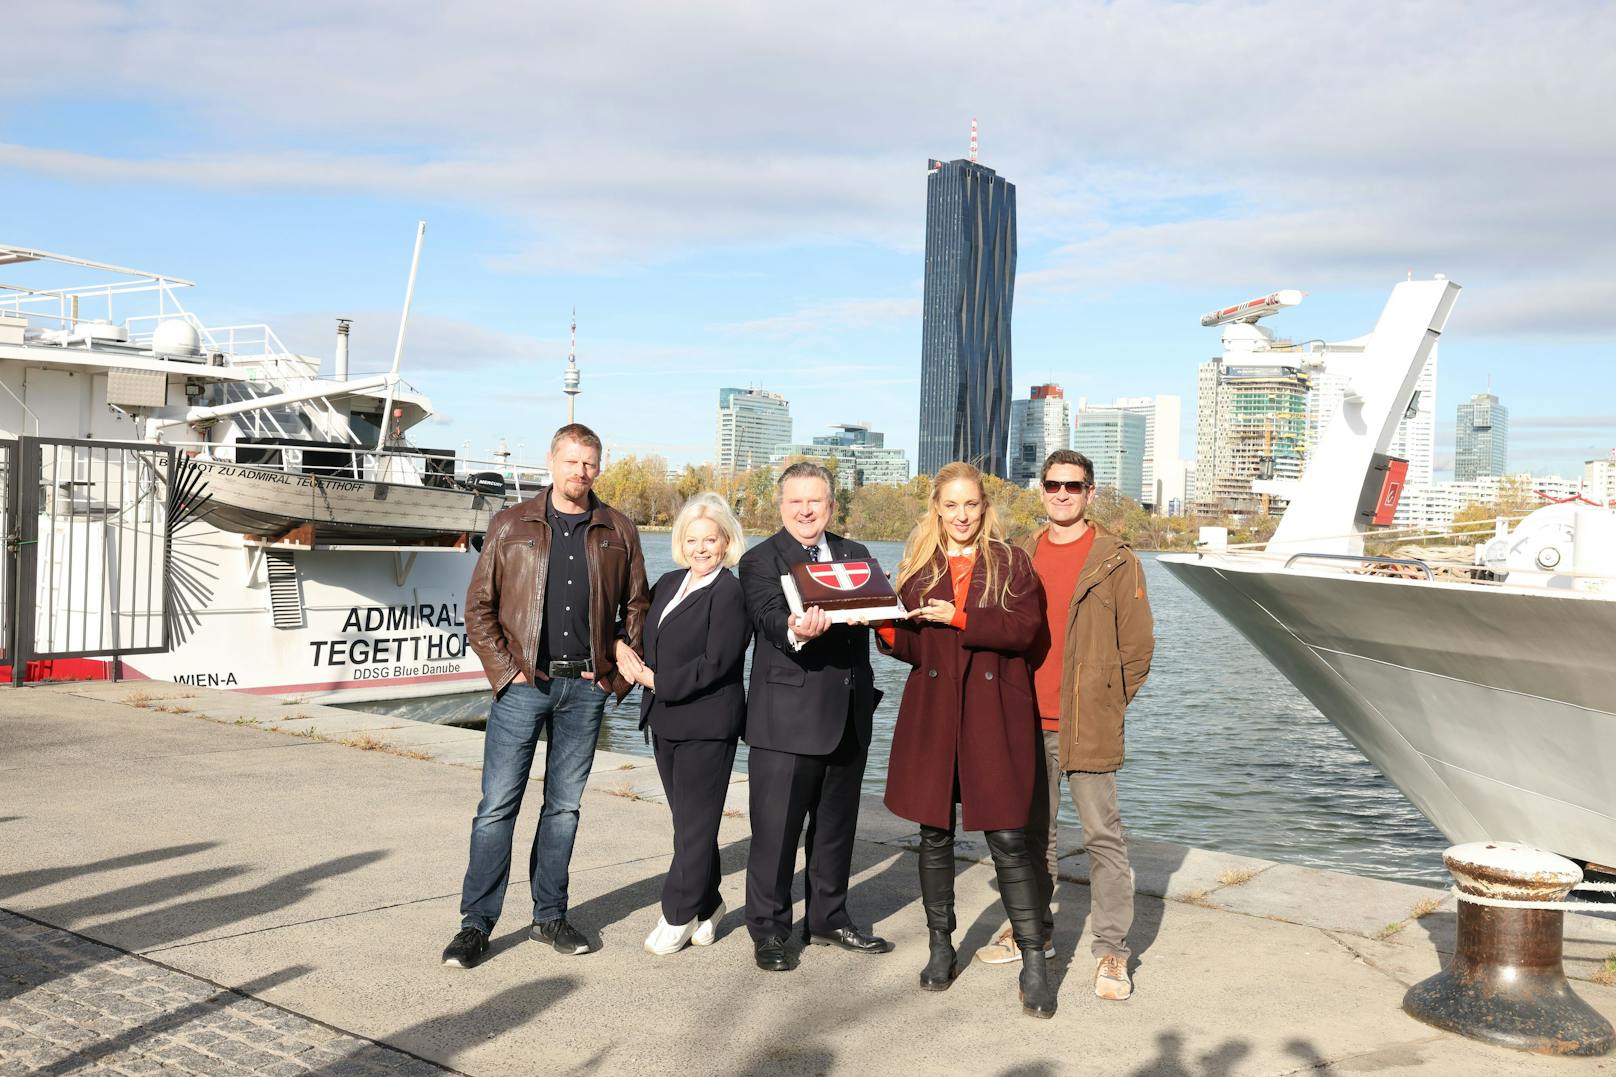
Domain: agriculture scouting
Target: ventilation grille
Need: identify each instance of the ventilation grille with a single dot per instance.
(285, 598)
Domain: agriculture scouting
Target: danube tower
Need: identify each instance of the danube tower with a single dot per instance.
(965, 335)
(569, 378)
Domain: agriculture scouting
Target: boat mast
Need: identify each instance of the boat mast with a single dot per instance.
(398, 349)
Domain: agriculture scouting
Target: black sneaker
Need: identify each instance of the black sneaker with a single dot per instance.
(466, 949)
(563, 936)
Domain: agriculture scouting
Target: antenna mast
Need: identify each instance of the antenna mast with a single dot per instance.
(569, 380)
(973, 140)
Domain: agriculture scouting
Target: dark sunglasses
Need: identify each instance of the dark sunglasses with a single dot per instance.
(1076, 487)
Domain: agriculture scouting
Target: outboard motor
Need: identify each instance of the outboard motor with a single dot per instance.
(490, 483)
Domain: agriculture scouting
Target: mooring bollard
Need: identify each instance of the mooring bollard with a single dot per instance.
(1506, 984)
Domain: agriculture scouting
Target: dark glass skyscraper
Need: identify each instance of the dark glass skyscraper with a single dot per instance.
(965, 337)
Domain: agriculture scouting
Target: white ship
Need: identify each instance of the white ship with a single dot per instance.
(1486, 691)
(307, 547)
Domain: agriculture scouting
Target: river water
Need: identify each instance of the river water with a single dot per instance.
(1222, 752)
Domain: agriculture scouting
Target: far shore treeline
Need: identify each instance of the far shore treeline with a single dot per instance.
(640, 487)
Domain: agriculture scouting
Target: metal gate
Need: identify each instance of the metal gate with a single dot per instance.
(88, 530)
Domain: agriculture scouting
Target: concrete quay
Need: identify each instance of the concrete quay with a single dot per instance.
(196, 881)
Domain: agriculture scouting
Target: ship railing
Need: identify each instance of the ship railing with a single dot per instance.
(250, 341)
(89, 302)
(1390, 562)
(1474, 530)
(68, 308)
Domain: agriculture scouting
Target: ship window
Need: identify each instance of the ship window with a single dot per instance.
(258, 455)
(366, 425)
(336, 464)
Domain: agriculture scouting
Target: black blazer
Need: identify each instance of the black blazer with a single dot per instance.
(698, 654)
(801, 701)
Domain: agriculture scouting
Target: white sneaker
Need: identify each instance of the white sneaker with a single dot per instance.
(707, 931)
(668, 938)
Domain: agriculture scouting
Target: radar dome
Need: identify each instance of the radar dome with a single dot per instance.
(176, 337)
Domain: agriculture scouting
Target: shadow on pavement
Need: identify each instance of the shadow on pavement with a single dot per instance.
(23, 881)
(137, 895)
(157, 927)
(445, 1036)
(1170, 1060)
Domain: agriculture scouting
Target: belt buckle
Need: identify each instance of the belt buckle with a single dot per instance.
(570, 667)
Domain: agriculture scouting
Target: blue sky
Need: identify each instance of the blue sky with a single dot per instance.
(735, 194)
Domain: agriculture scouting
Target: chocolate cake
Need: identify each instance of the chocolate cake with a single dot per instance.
(850, 586)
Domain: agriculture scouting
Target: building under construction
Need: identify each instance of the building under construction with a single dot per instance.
(1251, 413)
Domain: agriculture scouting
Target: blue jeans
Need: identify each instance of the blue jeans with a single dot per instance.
(573, 709)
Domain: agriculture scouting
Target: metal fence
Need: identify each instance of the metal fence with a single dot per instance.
(88, 523)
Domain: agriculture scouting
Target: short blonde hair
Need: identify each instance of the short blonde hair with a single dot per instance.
(710, 506)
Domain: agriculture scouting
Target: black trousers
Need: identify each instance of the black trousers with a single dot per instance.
(695, 775)
(785, 790)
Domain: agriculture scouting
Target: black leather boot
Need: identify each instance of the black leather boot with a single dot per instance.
(937, 896)
(1037, 993)
(1018, 889)
(939, 973)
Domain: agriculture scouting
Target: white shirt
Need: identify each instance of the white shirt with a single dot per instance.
(824, 555)
(687, 587)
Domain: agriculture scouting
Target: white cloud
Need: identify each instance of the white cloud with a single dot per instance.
(1561, 422)
(1151, 143)
(833, 317)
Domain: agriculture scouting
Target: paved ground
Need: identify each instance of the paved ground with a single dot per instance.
(231, 888)
(69, 1005)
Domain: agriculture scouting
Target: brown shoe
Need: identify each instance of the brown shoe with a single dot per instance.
(1111, 980)
(1001, 951)
(1004, 951)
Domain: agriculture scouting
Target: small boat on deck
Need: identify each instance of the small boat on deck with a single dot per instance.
(341, 504)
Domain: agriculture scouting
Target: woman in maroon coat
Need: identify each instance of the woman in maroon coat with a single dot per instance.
(967, 729)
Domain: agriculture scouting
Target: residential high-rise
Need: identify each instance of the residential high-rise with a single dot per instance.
(1481, 438)
(1038, 426)
(1165, 471)
(751, 422)
(1114, 441)
(965, 331)
(1599, 480)
(1415, 439)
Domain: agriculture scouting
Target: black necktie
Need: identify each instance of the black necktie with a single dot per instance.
(812, 552)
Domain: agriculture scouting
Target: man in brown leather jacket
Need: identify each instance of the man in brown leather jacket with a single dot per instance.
(555, 611)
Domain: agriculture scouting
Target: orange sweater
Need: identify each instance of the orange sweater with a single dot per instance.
(1058, 567)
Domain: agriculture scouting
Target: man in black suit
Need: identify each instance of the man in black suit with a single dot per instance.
(808, 727)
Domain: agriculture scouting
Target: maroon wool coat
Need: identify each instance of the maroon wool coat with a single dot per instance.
(968, 706)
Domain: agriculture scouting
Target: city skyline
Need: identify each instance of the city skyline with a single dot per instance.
(782, 245)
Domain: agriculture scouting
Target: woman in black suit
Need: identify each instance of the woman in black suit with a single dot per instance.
(696, 635)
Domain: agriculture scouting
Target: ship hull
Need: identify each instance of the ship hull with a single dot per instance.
(1492, 709)
(375, 624)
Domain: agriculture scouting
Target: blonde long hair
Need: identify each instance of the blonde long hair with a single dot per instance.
(927, 548)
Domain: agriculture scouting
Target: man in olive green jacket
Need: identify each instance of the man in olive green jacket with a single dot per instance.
(1090, 661)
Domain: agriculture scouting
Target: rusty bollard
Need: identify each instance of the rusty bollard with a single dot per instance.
(1506, 984)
